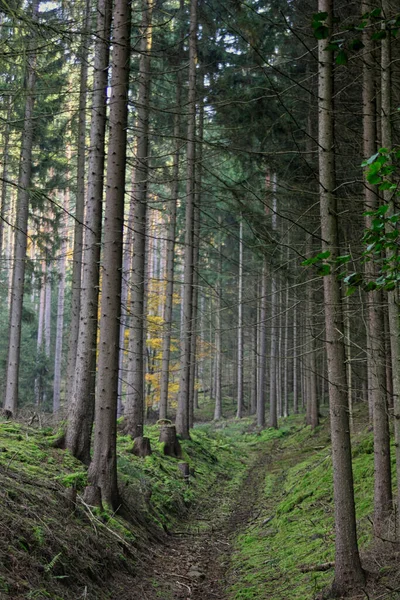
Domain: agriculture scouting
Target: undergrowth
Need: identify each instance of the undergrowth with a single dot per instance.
(52, 547)
(276, 556)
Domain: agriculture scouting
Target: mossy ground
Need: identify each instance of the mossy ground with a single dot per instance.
(50, 548)
(274, 557)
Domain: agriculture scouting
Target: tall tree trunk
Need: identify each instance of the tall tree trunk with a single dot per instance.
(348, 571)
(254, 365)
(392, 296)
(4, 174)
(79, 208)
(273, 395)
(239, 412)
(39, 343)
(286, 361)
(196, 253)
(170, 257)
(103, 468)
(21, 226)
(182, 415)
(81, 400)
(262, 346)
(135, 393)
(60, 310)
(295, 364)
(218, 349)
(126, 268)
(311, 366)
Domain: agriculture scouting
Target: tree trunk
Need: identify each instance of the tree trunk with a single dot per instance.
(239, 413)
(21, 226)
(311, 366)
(103, 468)
(182, 415)
(81, 398)
(392, 296)
(262, 347)
(170, 258)
(3, 200)
(135, 393)
(295, 364)
(348, 571)
(60, 310)
(79, 208)
(196, 255)
(286, 361)
(273, 394)
(218, 349)
(254, 364)
(126, 269)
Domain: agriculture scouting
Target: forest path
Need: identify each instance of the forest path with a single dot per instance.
(194, 563)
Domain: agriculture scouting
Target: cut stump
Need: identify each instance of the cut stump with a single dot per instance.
(184, 469)
(171, 443)
(141, 446)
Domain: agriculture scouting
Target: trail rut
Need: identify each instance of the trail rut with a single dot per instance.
(194, 563)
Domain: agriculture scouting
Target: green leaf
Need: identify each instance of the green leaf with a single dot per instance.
(324, 270)
(356, 45)
(342, 260)
(341, 58)
(374, 178)
(375, 13)
(320, 16)
(350, 290)
(321, 32)
(382, 210)
(332, 47)
(370, 160)
(379, 35)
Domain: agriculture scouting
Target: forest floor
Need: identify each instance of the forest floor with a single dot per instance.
(255, 521)
(194, 562)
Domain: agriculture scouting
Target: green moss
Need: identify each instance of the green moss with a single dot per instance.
(296, 526)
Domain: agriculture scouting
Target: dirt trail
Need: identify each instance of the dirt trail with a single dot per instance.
(194, 565)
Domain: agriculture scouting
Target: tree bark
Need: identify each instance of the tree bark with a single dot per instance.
(218, 333)
(392, 296)
(182, 415)
(103, 468)
(21, 226)
(239, 412)
(79, 208)
(295, 364)
(196, 253)
(169, 292)
(60, 310)
(135, 393)
(348, 571)
(81, 397)
(262, 346)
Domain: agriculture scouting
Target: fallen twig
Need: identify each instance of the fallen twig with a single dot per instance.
(311, 568)
(186, 586)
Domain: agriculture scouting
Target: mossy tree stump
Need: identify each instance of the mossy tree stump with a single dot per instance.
(171, 443)
(141, 446)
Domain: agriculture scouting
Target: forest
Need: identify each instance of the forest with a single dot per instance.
(199, 316)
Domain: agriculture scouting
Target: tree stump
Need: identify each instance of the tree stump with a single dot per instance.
(171, 443)
(184, 469)
(141, 446)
